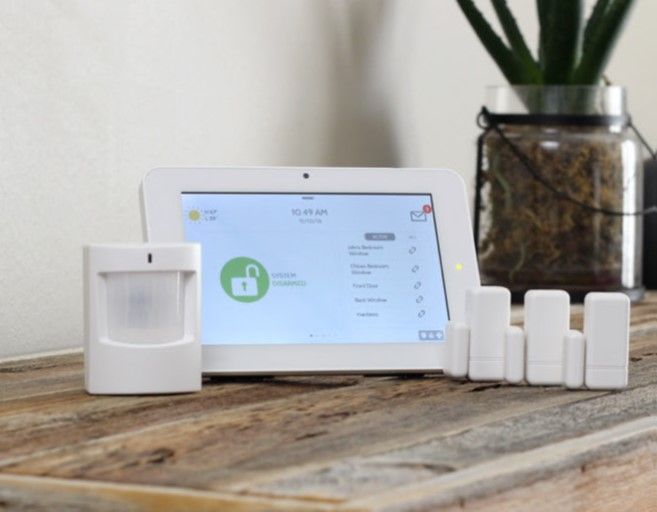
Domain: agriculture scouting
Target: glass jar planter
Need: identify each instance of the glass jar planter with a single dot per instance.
(559, 183)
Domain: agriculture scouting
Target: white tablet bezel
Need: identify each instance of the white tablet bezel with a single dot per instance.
(163, 222)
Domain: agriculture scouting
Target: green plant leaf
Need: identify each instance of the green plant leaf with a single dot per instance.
(602, 39)
(542, 8)
(516, 40)
(508, 63)
(560, 24)
(594, 21)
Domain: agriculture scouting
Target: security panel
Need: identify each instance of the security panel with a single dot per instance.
(320, 270)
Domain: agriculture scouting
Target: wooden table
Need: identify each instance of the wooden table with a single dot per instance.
(327, 443)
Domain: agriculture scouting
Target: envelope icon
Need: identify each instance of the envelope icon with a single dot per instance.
(418, 216)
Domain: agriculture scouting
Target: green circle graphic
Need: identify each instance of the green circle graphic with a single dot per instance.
(244, 279)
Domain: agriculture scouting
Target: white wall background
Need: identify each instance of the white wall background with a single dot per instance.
(93, 94)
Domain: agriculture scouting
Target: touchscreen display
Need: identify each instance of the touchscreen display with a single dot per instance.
(317, 268)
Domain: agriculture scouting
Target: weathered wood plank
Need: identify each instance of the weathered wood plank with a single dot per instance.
(43, 375)
(361, 475)
(42, 422)
(209, 451)
(47, 494)
(606, 484)
(611, 462)
(450, 449)
(318, 441)
(344, 420)
(341, 420)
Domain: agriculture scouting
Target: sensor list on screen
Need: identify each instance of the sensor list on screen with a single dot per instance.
(294, 268)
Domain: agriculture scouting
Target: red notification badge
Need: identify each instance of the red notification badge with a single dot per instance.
(426, 208)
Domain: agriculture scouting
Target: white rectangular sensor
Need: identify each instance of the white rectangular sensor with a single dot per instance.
(142, 318)
(547, 320)
(573, 359)
(488, 313)
(606, 330)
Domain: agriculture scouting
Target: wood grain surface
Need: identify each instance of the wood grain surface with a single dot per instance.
(331, 442)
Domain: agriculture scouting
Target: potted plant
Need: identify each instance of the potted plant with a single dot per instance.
(559, 179)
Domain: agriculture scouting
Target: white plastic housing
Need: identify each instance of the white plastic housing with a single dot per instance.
(142, 318)
(458, 343)
(163, 222)
(573, 359)
(607, 333)
(447, 352)
(514, 355)
(547, 319)
(488, 312)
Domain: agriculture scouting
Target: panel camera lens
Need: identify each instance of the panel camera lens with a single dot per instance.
(306, 175)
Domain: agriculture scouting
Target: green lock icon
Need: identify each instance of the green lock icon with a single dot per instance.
(244, 279)
(246, 286)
